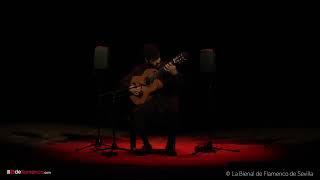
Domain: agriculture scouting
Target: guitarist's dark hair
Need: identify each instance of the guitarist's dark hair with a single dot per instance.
(151, 51)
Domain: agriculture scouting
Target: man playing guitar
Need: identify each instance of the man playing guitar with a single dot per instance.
(160, 101)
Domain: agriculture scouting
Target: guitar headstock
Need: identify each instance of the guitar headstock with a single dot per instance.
(180, 58)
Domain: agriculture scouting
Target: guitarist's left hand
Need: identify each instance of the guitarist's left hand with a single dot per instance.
(171, 68)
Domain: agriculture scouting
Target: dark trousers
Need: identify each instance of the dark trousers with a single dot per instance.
(151, 114)
(142, 132)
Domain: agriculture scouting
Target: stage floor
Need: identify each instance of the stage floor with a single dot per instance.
(53, 147)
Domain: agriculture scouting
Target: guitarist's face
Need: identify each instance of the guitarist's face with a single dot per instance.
(156, 62)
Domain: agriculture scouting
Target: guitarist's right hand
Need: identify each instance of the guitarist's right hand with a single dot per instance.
(135, 90)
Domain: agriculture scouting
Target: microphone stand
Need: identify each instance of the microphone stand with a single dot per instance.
(209, 146)
(114, 95)
(99, 141)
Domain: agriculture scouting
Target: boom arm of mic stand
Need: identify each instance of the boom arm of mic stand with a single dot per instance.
(116, 92)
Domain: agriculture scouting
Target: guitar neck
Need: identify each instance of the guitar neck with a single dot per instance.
(176, 60)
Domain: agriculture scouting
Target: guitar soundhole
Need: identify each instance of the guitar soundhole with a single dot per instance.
(148, 81)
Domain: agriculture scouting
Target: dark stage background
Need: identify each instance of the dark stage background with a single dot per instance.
(49, 75)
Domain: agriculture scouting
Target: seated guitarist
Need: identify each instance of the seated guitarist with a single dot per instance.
(163, 106)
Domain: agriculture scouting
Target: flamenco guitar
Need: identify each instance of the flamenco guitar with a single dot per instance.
(149, 81)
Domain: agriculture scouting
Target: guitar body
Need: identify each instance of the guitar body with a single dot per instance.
(149, 82)
(147, 89)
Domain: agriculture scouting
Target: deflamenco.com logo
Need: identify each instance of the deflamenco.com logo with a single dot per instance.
(18, 172)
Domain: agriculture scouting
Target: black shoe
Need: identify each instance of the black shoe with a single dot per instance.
(138, 152)
(147, 148)
(171, 152)
(133, 149)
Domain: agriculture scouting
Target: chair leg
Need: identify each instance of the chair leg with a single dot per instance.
(133, 138)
